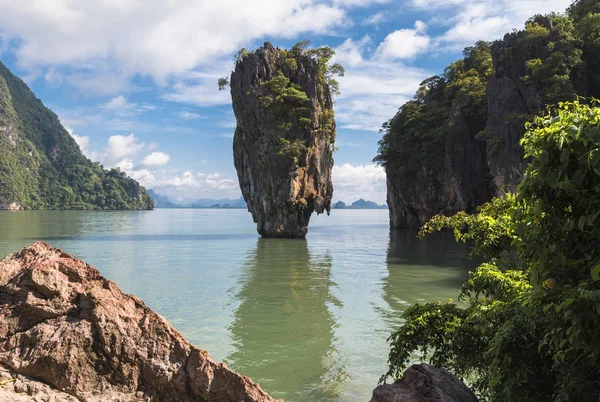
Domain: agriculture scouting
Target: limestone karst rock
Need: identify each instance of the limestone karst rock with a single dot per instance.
(457, 144)
(284, 139)
(67, 331)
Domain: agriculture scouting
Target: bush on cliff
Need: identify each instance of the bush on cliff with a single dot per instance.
(531, 325)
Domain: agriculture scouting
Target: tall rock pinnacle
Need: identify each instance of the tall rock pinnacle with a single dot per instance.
(285, 134)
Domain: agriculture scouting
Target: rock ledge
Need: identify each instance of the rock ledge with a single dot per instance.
(67, 333)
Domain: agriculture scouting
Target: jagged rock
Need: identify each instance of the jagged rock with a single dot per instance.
(488, 161)
(463, 183)
(424, 383)
(64, 329)
(18, 388)
(282, 184)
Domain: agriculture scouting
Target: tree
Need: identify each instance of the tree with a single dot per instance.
(531, 325)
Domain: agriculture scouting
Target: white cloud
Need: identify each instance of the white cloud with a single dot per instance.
(156, 159)
(372, 89)
(404, 43)
(189, 115)
(200, 183)
(375, 19)
(360, 3)
(351, 183)
(155, 37)
(204, 92)
(82, 140)
(474, 20)
(120, 147)
(122, 107)
(144, 177)
(117, 103)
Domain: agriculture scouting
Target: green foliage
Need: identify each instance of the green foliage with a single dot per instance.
(530, 328)
(555, 56)
(294, 149)
(586, 15)
(223, 83)
(243, 52)
(415, 138)
(327, 72)
(42, 167)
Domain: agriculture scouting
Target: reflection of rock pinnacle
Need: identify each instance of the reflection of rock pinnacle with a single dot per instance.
(283, 329)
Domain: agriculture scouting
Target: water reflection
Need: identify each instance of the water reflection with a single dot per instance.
(421, 271)
(283, 330)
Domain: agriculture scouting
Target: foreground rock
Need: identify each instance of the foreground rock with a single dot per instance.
(284, 139)
(424, 383)
(66, 330)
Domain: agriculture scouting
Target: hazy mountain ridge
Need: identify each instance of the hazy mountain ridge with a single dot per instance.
(162, 201)
(359, 204)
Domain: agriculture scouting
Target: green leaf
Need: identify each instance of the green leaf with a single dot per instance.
(569, 225)
(538, 207)
(596, 273)
(564, 156)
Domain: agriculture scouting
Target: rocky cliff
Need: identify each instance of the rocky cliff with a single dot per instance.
(68, 333)
(284, 138)
(457, 143)
(41, 166)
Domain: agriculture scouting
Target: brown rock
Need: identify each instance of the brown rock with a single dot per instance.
(67, 328)
(424, 383)
(282, 185)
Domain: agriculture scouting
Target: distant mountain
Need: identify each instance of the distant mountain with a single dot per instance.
(339, 205)
(162, 201)
(41, 165)
(223, 203)
(359, 204)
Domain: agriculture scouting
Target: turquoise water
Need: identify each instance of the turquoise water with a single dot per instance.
(308, 320)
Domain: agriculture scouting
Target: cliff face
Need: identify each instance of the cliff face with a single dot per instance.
(462, 182)
(284, 139)
(510, 82)
(41, 166)
(66, 332)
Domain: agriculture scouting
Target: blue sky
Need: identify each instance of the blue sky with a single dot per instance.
(135, 81)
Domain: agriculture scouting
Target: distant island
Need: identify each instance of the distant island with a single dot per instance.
(161, 201)
(359, 204)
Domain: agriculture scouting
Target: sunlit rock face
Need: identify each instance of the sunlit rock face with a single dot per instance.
(69, 334)
(284, 139)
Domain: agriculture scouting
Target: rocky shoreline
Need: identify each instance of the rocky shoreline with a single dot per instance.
(69, 334)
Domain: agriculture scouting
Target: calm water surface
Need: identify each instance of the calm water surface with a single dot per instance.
(308, 320)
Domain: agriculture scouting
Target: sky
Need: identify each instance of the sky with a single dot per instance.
(135, 81)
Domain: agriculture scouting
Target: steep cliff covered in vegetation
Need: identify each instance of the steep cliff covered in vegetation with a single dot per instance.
(529, 326)
(456, 144)
(41, 166)
(285, 134)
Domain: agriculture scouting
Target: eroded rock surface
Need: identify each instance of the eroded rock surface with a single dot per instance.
(284, 139)
(65, 329)
(424, 383)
